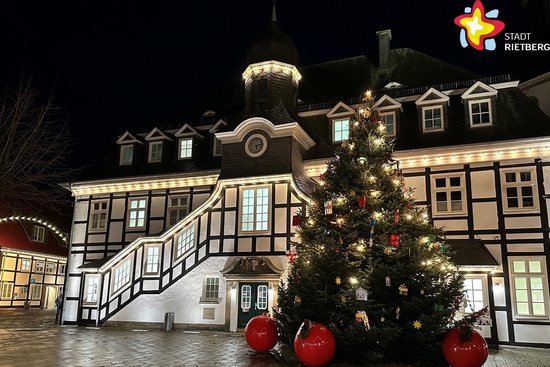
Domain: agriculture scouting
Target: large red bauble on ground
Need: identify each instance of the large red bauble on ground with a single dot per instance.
(261, 333)
(317, 348)
(470, 353)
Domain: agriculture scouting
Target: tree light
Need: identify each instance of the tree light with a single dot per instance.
(353, 280)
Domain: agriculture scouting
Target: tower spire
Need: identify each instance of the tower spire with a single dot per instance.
(274, 13)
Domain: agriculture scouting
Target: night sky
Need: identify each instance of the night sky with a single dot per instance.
(117, 65)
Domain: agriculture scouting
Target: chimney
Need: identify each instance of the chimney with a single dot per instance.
(384, 38)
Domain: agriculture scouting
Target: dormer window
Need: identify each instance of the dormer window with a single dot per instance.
(432, 118)
(217, 147)
(388, 112)
(480, 112)
(388, 121)
(126, 154)
(186, 148)
(155, 151)
(38, 233)
(340, 130)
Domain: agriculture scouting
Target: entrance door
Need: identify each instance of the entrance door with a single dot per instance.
(50, 296)
(253, 301)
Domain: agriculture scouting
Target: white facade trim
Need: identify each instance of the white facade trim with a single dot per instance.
(442, 98)
(489, 91)
(348, 111)
(393, 104)
(187, 131)
(162, 136)
(274, 131)
(128, 138)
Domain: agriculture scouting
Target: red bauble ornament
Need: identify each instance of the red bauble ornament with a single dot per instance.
(261, 333)
(323, 176)
(296, 220)
(394, 240)
(317, 347)
(362, 201)
(470, 353)
(396, 219)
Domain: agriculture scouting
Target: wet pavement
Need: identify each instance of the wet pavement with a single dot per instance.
(31, 338)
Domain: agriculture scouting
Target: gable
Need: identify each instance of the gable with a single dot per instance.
(157, 134)
(186, 130)
(479, 90)
(432, 96)
(128, 138)
(218, 125)
(341, 109)
(387, 103)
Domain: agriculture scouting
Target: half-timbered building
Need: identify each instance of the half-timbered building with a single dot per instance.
(197, 219)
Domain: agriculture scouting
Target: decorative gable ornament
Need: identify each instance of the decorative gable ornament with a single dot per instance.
(129, 138)
(361, 294)
(187, 131)
(479, 90)
(432, 96)
(157, 134)
(340, 110)
(386, 103)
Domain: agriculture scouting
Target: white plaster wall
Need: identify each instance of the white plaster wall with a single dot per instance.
(215, 224)
(199, 199)
(280, 220)
(118, 208)
(526, 222)
(280, 193)
(229, 223)
(157, 207)
(532, 333)
(450, 225)
(546, 174)
(115, 231)
(231, 198)
(502, 326)
(525, 247)
(79, 233)
(418, 183)
(96, 238)
(182, 297)
(499, 294)
(483, 184)
(80, 210)
(485, 215)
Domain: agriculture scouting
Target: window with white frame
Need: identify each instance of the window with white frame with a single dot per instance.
(39, 266)
(217, 147)
(98, 215)
(91, 289)
(62, 268)
(50, 268)
(155, 151)
(475, 297)
(529, 285)
(262, 297)
(519, 189)
(7, 290)
(126, 155)
(432, 118)
(211, 289)
(185, 241)
(25, 265)
(36, 291)
(136, 213)
(38, 233)
(185, 148)
(448, 194)
(340, 129)
(20, 293)
(246, 297)
(255, 209)
(480, 112)
(121, 274)
(388, 121)
(152, 257)
(177, 209)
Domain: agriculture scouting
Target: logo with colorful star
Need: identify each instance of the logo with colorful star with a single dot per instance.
(479, 28)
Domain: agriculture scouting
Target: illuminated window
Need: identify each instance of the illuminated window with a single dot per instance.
(262, 297)
(388, 120)
(177, 209)
(340, 129)
(38, 233)
(480, 112)
(7, 290)
(529, 285)
(126, 155)
(121, 274)
(20, 293)
(474, 298)
(185, 241)
(255, 209)
(519, 189)
(36, 291)
(25, 265)
(98, 215)
(39, 266)
(91, 289)
(136, 213)
(50, 268)
(432, 118)
(186, 148)
(155, 151)
(152, 257)
(448, 194)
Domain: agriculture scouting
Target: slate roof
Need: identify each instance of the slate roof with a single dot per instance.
(470, 253)
(16, 235)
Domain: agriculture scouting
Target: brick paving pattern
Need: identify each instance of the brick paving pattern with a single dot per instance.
(31, 338)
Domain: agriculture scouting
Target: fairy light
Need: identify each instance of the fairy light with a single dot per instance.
(351, 146)
(353, 280)
(387, 168)
(377, 215)
(340, 200)
(360, 247)
(362, 160)
(396, 182)
(424, 240)
(382, 128)
(375, 193)
(310, 221)
(340, 221)
(372, 178)
(408, 217)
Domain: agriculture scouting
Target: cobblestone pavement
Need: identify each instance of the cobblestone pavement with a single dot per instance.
(31, 338)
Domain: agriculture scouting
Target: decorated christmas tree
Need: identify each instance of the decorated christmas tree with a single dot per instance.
(369, 264)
